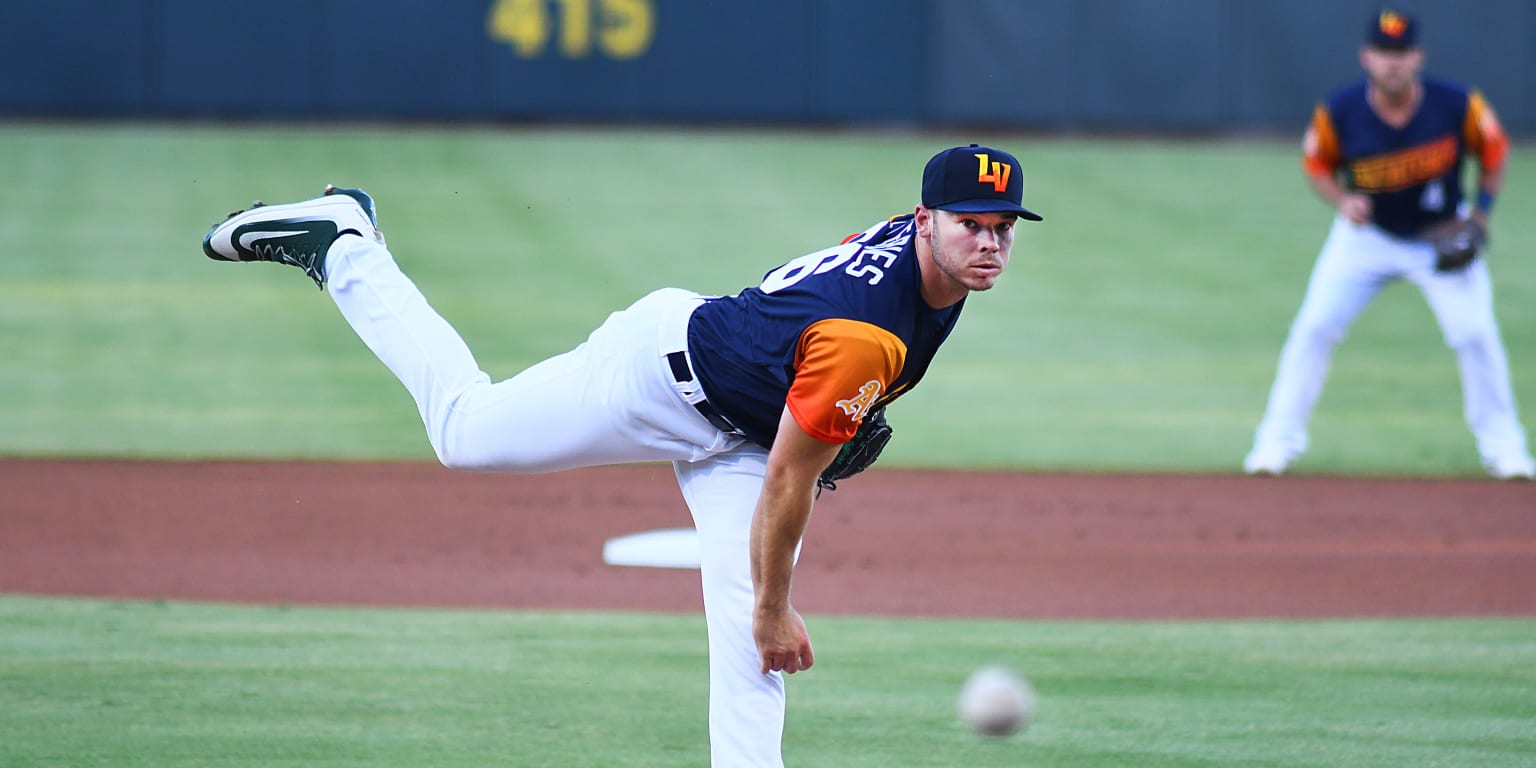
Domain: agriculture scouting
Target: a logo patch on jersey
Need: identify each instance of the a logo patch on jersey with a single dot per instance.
(997, 174)
(859, 404)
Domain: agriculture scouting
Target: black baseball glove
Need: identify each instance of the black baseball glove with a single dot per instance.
(860, 452)
(1457, 242)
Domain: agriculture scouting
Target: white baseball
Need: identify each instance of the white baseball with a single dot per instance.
(996, 702)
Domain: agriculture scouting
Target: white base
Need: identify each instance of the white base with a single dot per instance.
(665, 548)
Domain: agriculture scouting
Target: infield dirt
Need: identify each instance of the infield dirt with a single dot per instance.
(890, 542)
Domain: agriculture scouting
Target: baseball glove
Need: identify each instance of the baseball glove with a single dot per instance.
(857, 454)
(1457, 242)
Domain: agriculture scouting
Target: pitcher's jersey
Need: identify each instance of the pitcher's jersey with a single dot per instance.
(1413, 173)
(830, 335)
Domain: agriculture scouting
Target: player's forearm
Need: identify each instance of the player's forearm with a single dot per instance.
(1489, 182)
(783, 510)
(1352, 205)
(1328, 188)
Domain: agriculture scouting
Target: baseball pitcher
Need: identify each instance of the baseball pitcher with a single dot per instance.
(759, 399)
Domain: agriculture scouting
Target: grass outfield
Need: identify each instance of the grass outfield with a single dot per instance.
(87, 683)
(1137, 329)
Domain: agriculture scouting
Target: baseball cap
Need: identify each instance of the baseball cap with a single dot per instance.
(1392, 30)
(975, 179)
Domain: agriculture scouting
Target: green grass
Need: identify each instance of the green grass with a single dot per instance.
(1137, 329)
(91, 683)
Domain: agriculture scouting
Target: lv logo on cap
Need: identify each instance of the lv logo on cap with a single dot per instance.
(1392, 24)
(998, 176)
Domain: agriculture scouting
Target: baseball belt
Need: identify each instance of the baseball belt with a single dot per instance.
(678, 362)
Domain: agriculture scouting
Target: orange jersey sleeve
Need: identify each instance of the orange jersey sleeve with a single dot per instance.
(842, 367)
(1320, 154)
(1483, 134)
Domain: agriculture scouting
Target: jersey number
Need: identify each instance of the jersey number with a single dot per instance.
(825, 261)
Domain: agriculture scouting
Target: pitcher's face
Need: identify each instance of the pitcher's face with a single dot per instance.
(971, 249)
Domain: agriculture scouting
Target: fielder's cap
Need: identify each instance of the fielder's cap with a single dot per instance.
(1392, 30)
(975, 179)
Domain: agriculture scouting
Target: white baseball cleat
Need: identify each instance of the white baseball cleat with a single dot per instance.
(297, 234)
(1267, 460)
(1513, 467)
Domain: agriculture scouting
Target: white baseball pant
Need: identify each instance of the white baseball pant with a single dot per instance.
(612, 399)
(1356, 262)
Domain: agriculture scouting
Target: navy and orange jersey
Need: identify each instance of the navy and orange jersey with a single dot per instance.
(830, 335)
(1413, 173)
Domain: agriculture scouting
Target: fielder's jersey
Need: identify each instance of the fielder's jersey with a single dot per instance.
(831, 335)
(1412, 173)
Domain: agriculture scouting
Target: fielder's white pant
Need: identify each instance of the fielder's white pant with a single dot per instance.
(610, 400)
(1356, 262)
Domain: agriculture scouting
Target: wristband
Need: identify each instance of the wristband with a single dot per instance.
(1485, 201)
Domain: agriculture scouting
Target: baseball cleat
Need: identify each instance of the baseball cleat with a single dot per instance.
(1266, 461)
(1517, 467)
(296, 234)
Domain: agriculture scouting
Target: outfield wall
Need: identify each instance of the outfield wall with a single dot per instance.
(1201, 65)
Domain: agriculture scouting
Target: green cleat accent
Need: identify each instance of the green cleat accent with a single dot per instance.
(296, 234)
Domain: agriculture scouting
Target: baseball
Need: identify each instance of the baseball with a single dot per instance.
(996, 702)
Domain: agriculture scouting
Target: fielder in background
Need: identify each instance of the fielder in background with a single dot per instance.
(751, 397)
(1387, 153)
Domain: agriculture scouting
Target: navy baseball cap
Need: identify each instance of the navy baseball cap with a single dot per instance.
(1392, 30)
(975, 179)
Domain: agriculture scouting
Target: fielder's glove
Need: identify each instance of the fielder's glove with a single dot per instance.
(860, 452)
(1457, 242)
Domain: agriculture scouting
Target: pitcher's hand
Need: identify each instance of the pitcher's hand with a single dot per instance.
(782, 642)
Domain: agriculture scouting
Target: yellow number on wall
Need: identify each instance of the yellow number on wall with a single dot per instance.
(523, 23)
(626, 28)
(575, 28)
